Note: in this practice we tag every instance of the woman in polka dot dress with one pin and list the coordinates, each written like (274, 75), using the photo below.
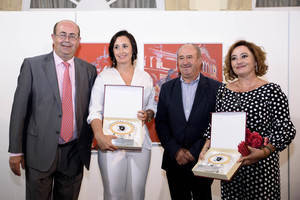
(267, 113)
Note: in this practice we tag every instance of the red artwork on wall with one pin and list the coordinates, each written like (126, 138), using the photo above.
(159, 62)
(95, 53)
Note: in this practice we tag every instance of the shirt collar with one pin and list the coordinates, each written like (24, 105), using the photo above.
(58, 60)
(196, 80)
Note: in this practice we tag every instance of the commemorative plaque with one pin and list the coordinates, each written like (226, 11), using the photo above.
(220, 161)
(121, 104)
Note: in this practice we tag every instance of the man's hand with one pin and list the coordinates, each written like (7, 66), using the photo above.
(15, 162)
(184, 156)
(104, 142)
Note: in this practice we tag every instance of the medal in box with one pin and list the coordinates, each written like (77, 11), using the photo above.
(121, 104)
(220, 161)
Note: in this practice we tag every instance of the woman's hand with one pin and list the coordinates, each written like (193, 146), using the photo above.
(145, 115)
(254, 156)
(142, 115)
(204, 149)
(105, 142)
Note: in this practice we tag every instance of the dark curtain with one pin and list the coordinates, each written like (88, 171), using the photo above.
(277, 3)
(51, 4)
(134, 4)
(68, 4)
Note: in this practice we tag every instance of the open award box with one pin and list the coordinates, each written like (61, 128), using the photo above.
(220, 161)
(121, 105)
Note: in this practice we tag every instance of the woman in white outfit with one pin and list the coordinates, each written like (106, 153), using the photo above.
(123, 172)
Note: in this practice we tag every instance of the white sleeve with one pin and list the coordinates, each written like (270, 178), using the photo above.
(96, 101)
(151, 104)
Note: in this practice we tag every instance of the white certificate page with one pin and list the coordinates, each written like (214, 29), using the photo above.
(121, 101)
(228, 129)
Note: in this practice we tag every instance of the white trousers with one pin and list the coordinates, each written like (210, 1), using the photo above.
(124, 173)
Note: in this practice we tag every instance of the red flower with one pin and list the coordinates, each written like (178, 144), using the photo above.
(248, 132)
(253, 139)
(243, 149)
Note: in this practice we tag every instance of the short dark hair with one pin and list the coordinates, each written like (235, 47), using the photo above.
(112, 43)
(56, 24)
(258, 54)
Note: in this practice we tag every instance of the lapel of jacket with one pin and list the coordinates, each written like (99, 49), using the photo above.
(78, 87)
(178, 99)
(200, 97)
(50, 71)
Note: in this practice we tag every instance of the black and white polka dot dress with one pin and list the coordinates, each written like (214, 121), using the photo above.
(268, 114)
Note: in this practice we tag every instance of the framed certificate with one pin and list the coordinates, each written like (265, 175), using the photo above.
(220, 161)
(121, 104)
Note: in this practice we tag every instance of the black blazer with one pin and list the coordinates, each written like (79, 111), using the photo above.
(36, 113)
(173, 130)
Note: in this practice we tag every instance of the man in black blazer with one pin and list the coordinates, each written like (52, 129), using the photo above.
(183, 114)
(53, 163)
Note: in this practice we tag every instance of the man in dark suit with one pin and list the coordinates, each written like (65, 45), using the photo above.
(183, 114)
(49, 135)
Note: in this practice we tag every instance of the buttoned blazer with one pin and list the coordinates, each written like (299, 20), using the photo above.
(37, 111)
(173, 130)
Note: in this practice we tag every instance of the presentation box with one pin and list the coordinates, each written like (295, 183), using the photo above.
(220, 161)
(121, 104)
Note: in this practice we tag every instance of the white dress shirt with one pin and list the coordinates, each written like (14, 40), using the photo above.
(113, 77)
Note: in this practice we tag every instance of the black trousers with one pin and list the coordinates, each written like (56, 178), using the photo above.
(62, 181)
(184, 185)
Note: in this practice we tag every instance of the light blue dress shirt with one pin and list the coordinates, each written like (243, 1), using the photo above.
(188, 95)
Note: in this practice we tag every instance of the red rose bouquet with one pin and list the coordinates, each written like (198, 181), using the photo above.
(253, 139)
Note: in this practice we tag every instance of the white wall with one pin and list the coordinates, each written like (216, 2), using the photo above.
(294, 98)
(26, 34)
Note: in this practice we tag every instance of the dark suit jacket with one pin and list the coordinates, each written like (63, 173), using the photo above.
(173, 130)
(36, 113)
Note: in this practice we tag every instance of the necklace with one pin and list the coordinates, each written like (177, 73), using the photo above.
(252, 86)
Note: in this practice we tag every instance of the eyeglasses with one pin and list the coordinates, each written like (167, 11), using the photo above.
(64, 36)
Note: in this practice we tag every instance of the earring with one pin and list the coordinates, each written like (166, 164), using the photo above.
(256, 67)
(114, 62)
